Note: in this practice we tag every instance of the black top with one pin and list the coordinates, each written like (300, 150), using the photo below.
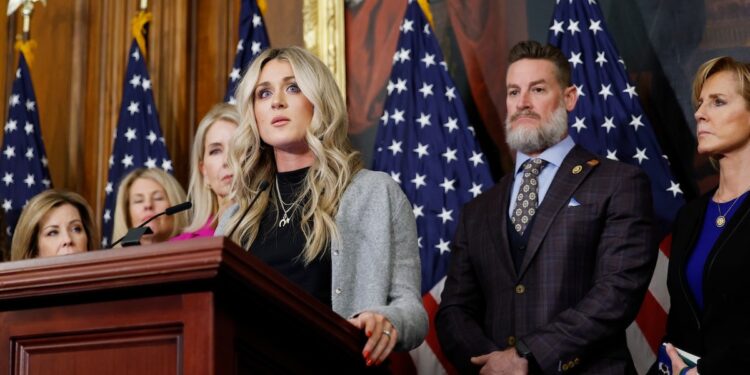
(281, 247)
(720, 333)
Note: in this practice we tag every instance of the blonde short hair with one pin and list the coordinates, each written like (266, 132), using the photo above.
(335, 160)
(716, 65)
(205, 201)
(173, 189)
(24, 245)
(723, 64)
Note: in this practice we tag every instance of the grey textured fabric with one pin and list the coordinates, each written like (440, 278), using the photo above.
(375, 263)
(527, 199)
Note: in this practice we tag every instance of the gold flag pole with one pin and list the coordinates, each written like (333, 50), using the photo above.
(23, 41)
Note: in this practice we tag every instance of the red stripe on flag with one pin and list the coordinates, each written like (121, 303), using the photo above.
(432, 340)
(652, 320)
(666, 245)
(401, 364)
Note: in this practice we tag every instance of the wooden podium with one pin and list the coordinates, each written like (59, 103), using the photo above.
(195, 307)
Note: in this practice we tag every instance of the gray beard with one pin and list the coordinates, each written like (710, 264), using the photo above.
(538, 139)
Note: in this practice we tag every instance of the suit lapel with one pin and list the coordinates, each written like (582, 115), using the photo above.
(496, 223)
(574, 169)
(681, 257)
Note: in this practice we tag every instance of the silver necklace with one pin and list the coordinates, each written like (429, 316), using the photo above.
(284, 219)
(721, 220)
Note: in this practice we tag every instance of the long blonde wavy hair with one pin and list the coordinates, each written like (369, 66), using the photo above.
(335, 161)
(205, 201)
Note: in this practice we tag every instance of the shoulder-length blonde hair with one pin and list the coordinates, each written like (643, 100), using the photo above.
(723, 64)
(175, 195)
(716, 65)
(205, 201)
(335, 161)
(25, 246)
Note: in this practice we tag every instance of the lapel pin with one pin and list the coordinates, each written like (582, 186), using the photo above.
(593, 162)
(577, 169)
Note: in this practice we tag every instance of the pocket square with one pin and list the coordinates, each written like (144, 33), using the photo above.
(573, 203)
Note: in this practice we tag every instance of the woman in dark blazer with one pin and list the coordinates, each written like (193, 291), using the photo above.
(710, 260)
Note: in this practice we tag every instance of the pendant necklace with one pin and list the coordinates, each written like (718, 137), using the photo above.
(284, 219)
(721, 220)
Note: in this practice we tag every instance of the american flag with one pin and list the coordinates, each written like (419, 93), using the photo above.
(23, 163)
(426, 144)
(253, 40)
(138, 138)
(608, 120)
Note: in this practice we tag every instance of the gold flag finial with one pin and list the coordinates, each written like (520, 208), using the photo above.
(425, 5)
(26, 47)
(262, 6)
(139, 28)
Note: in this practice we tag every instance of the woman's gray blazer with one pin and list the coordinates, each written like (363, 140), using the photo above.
(375, 264)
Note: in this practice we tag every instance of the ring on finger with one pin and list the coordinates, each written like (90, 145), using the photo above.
(387, 333)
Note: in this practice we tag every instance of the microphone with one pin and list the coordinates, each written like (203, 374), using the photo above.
(133, 237)
(262, 186)
(175, 209)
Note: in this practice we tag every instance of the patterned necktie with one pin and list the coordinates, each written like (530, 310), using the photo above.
(527, 199)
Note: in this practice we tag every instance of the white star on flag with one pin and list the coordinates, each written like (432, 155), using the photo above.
(133, 108)
(428, 60)
(418, 181)
(424, 119)
(445, 215)
(476, 158)
(421, 150)
(640, 155)
(135, 81)
(449, 155)
(475, 190)
(426, 89)
(451, 125)
(443, 246)
(417, 211)
(8, 178)
(29, 180)
(130, 134)
(447, 184)
(127, 161)
(395, 147)
(575, 59)
(557, 27)
(579, 124)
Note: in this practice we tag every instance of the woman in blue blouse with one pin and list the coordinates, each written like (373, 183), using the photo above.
(710, 259)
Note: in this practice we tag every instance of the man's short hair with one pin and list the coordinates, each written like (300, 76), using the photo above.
(534, 50)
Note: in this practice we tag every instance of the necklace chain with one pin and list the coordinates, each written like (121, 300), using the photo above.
(721, 220)
(284, 219)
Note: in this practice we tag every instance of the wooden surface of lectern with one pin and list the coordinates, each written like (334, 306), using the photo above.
(194, 307)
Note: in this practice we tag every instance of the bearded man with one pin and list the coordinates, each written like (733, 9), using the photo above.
(551, 265)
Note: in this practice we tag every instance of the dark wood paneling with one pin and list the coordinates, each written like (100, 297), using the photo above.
(284, 23)
(108, 351)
